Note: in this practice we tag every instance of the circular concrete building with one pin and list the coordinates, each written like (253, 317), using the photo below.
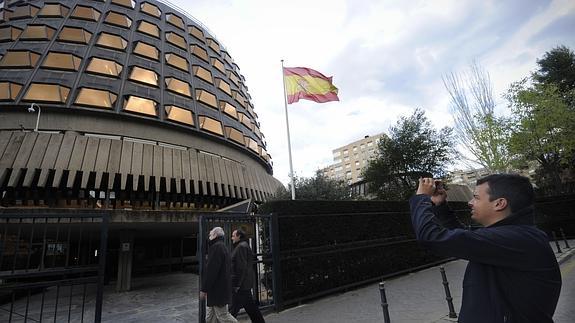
(123, 104)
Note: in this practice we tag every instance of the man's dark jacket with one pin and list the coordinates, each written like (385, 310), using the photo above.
(217, 276)
(512, 275)
(242, 266)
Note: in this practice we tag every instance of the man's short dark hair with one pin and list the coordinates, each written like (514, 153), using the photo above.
(516, 189)
(241, 234)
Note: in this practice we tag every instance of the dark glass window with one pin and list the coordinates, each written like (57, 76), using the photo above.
(19, 59)
(37, 32)
(9, 91)
(86, 13)
(53, 10)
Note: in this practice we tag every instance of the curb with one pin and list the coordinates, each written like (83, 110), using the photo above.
(566, 255)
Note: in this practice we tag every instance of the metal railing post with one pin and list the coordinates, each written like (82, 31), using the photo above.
(556, 242)
(384, 304)
(201, 257)
(564, 238)
(102, 253)
(448, 297)
(276, 262)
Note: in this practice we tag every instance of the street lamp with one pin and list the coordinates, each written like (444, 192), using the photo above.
(31, 109)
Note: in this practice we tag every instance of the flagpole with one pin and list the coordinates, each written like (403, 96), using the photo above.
(288, 137)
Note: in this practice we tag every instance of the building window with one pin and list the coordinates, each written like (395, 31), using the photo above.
(197, 33)
(19, 59)
(177, 61)
(111, 41)
(52, 93)
(218, 65)
(346, 152)
(206, 98)
(222, 85)
(370, 143)
(229, 109)
(104, 67)
(252, 144)
(9, 91)
(210, 125)
(235, 135)
(145, 76)
(62, 61)
(118, 19)
(202, 73)
(239, 98)
(178, 86)
(125, 3)
(140, 105)
(214, 45)
(147, 50)
(150, 9)
(347, 166)
(22, 12)
(245, 120)
(232, 76)
(9, 33)
(176, 40)
(38, 32)
(74, 35)
(149, 29)
(96, 98)
(180, 115)
(53, 10)
(200, 53)
(86, 13)
(176, 21)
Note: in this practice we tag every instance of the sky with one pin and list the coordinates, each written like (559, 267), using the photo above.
(386, 57)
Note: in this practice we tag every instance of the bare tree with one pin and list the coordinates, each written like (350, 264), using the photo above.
(477, 128)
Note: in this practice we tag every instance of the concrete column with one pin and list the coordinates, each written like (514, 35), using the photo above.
(125, 257)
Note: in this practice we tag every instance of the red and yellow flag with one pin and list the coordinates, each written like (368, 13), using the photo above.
(305, 83)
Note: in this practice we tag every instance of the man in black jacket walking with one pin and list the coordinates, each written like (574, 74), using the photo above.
(217, 282)
(243, 278)
(512, 275)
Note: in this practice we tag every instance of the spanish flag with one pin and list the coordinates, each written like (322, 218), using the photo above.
(305, 83)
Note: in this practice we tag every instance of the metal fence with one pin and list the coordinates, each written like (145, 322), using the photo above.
(52, 267)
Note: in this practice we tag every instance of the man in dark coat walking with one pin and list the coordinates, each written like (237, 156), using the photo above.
(217, 279)
(243, 278)
(512, 275)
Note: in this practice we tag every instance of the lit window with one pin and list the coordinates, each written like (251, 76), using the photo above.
(96, 98)
(181, 115)
(196, 32)
(178, 86)
(219, 65)
(252, 144)
(150, 9)
(111, 41)
(37, 32)
(19, 59)
(147, 50)
(125, 3)
(229, 109)
(149, 29)
(9, 33)
(206, 98)
(41, 92)
(175, 39)
(74, 35)
(53, 10)
(62, 61)
(104, 67)
(245, 120)
(26, 11)
(232, 76)
(211, 125)
(140, 105)
(86, 13)
(142, 75)
(235, 135)
(9, 91)
(214, 45)
(200, 53)
(222, 85)
(202, 73)
(177, 61)
(118, 19)
(175, 20)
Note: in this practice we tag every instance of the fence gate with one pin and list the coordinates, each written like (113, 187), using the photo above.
(262, 234)
(52, 267)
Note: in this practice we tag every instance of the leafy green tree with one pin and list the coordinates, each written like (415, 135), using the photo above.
(557, 67)
(478, 129)
(318, 187)
(412, 150)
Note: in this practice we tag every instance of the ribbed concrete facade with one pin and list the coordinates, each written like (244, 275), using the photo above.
(140, 107)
